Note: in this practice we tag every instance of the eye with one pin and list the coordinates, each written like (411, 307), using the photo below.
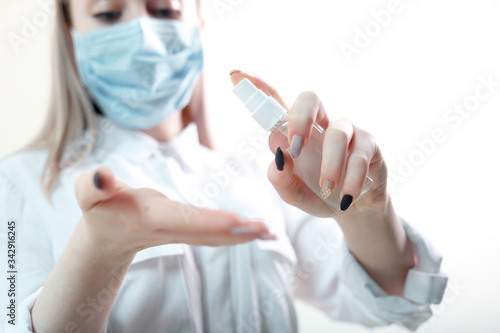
(167, 13)
(108, 16)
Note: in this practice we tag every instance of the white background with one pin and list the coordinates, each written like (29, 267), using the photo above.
(399, 87)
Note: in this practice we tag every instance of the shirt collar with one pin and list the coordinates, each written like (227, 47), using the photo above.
(137, 146)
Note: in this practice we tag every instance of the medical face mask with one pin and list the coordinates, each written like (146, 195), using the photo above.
(142, 71)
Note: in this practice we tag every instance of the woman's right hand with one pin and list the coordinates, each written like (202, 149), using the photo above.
(122, 220)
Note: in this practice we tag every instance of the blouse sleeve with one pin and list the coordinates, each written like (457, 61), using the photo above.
(329, 277)
(26, 259)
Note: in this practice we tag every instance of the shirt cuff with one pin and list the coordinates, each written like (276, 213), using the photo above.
(424, 284)
(23, 316)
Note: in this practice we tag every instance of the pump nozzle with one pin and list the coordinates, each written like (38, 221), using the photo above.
(265, 109)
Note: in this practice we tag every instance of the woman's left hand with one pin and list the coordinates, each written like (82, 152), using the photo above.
(343, 143)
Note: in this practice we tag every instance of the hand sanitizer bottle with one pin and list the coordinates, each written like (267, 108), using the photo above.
(307, 166)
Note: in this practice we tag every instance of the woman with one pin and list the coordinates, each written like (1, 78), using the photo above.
(128, 221)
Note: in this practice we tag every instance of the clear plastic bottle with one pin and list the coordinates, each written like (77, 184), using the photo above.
(307, 166)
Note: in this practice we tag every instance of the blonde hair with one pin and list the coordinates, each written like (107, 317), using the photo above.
(72, 112)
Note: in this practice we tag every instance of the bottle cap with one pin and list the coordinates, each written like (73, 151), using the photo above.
(265, 109)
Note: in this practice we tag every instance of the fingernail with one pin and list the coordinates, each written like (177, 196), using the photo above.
(234, 71)
(97, 180)
(296, 145)
(279, 159)
(346, 202)
(243, 230)
(265, 236)
(326, 189)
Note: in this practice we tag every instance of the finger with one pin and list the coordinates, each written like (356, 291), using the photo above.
(306, 110)
(220, 239)
(172, 217)
(322, 117)
(291, 188)
(237, 76)
(336, 142)
(95, 186)
(277, 139)
(361, 153)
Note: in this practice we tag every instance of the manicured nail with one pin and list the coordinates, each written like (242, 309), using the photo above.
(243, 230)
(296, 145)
(265, 236)
(97, 180)
(279, 159)
(234, 71)
(326, 189)
(346, 202)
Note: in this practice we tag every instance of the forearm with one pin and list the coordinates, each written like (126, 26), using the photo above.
(378, 241)
(81, 289)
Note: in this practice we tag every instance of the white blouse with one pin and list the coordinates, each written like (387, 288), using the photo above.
(182, 288)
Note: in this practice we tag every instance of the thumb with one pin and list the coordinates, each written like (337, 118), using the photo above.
(290, 187)
(280, 173)
(94, 186)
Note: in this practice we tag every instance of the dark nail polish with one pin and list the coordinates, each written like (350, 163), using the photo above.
(97, 180)
(346, 202)
(280, 161)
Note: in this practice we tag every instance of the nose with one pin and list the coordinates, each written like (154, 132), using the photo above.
(136, 9)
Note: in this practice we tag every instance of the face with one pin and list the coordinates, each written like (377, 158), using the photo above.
(88, 15)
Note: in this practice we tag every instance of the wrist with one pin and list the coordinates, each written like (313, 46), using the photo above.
(101, 250)
(377, 239)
